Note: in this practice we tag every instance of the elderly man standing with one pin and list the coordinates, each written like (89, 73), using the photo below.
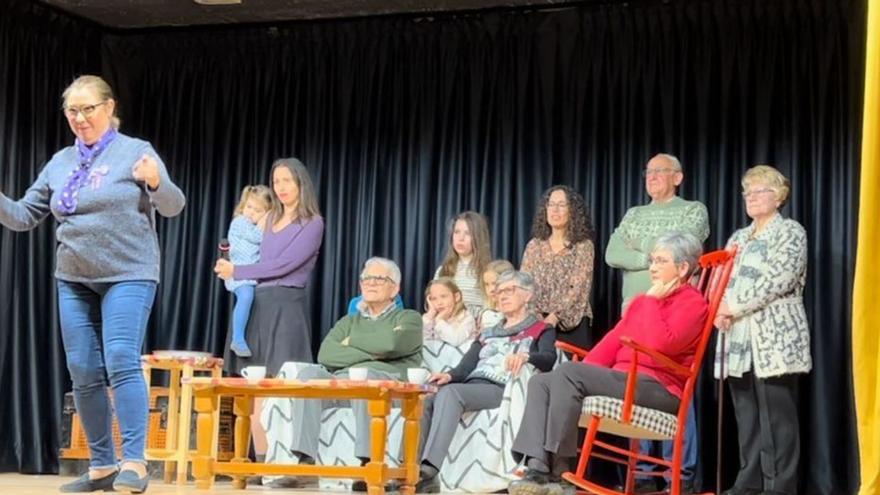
(380, 337)
(630, 245)
(629, 249)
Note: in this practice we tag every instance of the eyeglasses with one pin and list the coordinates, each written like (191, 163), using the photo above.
(660, 261)
(86, 110)
(507, 291)
(755, 192)
(374, 279)
(561, 205)
(657, 171)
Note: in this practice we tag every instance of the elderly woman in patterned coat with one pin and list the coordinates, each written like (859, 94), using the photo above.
(768, 339)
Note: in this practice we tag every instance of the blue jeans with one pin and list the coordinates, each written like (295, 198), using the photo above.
(244, 299)
(102, 326)
(688, 447)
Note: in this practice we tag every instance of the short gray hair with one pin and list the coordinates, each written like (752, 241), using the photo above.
(393, 269)
(685, 248)
(523, 279)
(672, 159)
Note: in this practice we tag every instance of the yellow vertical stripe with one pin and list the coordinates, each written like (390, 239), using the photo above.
(866, 319)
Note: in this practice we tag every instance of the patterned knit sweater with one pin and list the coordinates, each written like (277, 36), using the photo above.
(629, 247)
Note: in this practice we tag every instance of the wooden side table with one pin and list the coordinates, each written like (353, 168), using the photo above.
(182, 366)
(378, 393)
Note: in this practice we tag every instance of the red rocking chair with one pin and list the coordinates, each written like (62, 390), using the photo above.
(623, 418)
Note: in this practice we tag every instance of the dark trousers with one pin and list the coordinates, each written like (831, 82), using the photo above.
(443, 411)
(550, 421)
(769, 439)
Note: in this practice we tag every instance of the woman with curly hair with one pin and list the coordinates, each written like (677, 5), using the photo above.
(560, 257)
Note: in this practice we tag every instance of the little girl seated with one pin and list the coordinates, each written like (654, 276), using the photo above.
(447, 318)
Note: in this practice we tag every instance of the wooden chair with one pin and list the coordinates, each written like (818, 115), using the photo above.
(185, 365)
(624, 418)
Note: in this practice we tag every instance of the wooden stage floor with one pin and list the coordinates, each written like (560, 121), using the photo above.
(23, 484)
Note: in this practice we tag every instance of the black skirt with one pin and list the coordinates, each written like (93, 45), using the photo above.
(579, 335)
(278, 331)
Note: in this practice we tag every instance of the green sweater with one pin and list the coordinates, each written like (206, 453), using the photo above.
(390, 343)
(629, 247)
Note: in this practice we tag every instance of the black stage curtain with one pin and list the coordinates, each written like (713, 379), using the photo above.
(406, 120)
(40, 53)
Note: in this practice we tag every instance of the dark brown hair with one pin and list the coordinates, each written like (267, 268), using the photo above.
(580, 225)
(482, 251)
(307, 204)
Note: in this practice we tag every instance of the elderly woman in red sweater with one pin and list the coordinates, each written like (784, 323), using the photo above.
(668, 318)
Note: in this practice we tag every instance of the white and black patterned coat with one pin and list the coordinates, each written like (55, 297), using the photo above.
(765, 296)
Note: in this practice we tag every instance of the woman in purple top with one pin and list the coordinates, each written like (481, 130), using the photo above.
(279, 328)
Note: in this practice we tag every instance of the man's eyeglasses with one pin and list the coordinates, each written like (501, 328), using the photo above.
(657, 171)
(86, 110)
(374, 279)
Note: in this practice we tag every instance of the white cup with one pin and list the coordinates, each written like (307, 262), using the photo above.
(254, 372)
(359, 374)
(417, 375)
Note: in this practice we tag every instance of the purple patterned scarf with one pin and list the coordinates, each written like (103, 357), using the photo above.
(80, 177)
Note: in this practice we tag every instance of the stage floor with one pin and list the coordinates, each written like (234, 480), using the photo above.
(23, 484)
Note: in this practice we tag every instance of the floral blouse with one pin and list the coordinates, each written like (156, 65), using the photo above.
(564, 279)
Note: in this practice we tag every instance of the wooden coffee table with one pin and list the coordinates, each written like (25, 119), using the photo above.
(378, 393)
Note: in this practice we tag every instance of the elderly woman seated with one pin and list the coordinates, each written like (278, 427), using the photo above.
(668, 318)
(478, 381)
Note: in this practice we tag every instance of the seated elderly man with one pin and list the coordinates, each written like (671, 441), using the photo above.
(668, 318)
(380, 337)
(478, 381)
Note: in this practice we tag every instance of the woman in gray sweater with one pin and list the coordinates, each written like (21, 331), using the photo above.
(103, 191)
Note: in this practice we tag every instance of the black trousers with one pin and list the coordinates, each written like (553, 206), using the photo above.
(769, 436)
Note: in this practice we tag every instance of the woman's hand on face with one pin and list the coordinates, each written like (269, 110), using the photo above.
(551, 319)
(515, 362)
(661, 290)
(440, 378)
(147, 170)
(224, 269)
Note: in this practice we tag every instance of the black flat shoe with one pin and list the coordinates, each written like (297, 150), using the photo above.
(84, 485)
(128, 481)
(430, 484)
(361, 486)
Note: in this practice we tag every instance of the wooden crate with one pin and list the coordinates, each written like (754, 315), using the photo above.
(75, 446)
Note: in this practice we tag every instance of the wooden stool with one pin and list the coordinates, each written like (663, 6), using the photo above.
(181, 364)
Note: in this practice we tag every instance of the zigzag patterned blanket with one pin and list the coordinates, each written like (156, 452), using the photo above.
(479, 458)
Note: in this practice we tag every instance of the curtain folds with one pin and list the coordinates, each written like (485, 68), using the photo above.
(405, 121)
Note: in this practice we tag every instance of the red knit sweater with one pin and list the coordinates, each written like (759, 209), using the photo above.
(671, 325)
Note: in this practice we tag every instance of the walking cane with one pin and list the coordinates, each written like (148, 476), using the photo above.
(720, 414)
